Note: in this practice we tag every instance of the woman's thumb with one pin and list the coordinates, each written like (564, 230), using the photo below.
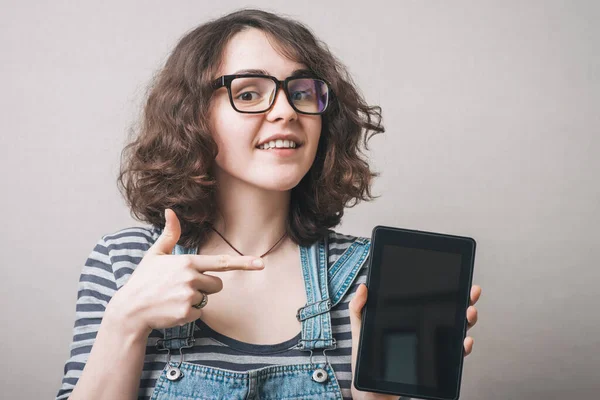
(358, 301)
(169, 236)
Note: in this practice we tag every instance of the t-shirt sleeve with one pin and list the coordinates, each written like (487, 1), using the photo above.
(96, 287)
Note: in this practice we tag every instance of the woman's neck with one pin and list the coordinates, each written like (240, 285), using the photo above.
(250, 218)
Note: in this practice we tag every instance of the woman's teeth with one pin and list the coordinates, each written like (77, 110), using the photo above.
(279, 144)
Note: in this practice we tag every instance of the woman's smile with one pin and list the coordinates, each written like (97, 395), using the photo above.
(280, 148)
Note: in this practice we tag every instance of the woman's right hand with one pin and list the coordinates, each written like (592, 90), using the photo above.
(163, 287)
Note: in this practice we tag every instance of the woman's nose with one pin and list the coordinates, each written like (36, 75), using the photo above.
(281, 108)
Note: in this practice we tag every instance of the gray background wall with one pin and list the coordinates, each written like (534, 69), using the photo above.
(491, 110)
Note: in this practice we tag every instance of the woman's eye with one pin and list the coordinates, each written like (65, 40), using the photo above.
(299, 95)
(248, 96)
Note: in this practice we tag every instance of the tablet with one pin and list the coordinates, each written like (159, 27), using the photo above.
(415, 319)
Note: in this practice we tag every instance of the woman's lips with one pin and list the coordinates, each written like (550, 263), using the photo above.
(281, 151)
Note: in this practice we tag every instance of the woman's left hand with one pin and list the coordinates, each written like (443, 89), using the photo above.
(356, 305)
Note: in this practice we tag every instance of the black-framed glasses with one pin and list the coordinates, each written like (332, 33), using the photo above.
(254, 93)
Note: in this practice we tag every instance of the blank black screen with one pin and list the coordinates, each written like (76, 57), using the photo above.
(414, 329)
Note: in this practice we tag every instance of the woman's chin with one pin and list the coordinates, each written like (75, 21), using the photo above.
(278, 184)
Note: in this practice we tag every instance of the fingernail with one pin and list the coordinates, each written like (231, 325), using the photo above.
(257, 263)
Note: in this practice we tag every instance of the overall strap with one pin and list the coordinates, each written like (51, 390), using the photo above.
(314, 316)
(178, 337)
(345, 270)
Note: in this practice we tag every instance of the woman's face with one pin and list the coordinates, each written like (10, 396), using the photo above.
(238, 135)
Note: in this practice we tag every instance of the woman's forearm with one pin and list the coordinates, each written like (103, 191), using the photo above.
(115, 363)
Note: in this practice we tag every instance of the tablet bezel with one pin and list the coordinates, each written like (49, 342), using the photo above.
(382, 235)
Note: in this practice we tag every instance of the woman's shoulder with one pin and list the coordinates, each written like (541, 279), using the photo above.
(348, 250)
(125, 248)
(131, 237)
(342, 238)
(338, 242)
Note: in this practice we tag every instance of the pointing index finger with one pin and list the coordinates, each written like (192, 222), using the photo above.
(224, 262)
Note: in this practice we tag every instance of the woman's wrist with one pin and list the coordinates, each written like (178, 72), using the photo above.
(119, 317)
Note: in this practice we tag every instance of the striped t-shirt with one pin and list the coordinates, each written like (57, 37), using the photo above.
(110, 265)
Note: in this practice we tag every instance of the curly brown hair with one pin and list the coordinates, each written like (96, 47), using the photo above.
(169, 162)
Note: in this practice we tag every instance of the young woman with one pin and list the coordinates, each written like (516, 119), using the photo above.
(249, 151)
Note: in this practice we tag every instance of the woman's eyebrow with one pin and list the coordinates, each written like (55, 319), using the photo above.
(251, 71)
(297, 72)
(301, 72)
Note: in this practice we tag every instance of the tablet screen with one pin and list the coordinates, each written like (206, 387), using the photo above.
(416, 312)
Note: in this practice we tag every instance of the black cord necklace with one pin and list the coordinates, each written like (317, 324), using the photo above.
(239, 252)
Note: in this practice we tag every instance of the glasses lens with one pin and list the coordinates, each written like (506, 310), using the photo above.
(309, 95)
(252, 94)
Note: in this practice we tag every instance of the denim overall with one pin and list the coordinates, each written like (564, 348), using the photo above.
(188, 381)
